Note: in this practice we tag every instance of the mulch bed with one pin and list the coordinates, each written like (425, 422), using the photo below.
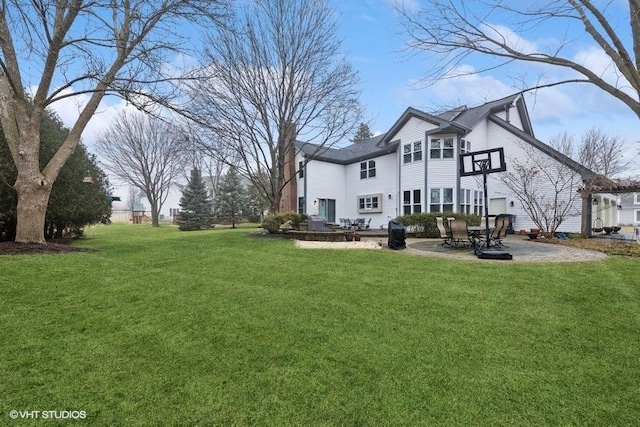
(54, 247)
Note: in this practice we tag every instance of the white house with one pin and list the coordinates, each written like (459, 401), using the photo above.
(414, 167)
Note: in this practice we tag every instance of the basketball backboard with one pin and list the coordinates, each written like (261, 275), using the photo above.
(480, 162)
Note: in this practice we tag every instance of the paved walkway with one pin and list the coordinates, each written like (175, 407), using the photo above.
(522, 249)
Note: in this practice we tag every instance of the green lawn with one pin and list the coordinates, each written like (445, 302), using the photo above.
(161, 327)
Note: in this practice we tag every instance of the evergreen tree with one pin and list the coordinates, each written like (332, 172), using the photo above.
(232, 199)
(195, 206)
(362, 133)
(73, 203)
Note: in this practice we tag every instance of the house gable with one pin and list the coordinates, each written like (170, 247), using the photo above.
(439, 125)
(584, 172)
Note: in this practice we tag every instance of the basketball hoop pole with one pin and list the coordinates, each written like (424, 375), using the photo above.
(484, 166)
(485, 162)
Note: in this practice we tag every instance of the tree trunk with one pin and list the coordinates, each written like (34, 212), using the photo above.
(33, 197)
(154, 213)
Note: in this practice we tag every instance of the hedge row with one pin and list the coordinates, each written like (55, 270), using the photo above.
(424, 224)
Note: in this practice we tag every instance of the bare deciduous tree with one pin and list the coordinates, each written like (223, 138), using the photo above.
(453, 30)
(275, 76)
(145, 153)
(602, 153)
(546, 189)
(87, 48)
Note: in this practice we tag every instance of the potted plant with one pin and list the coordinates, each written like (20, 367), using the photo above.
(349, 235)
(357, 237)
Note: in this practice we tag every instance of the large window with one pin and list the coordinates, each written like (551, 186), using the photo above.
(301, 205)
(367, 169)
(471, 202)
(441, 200)
(370, 203)
(411, 202)
(412, 152)
(441, 148)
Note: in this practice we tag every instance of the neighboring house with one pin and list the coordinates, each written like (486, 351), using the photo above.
(414, 167)
(629, 209)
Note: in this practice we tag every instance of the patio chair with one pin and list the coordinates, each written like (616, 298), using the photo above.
(445, 235)
(368, 224)
(459, 233)
(500, 231)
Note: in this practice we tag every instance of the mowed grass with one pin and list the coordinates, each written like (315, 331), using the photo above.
(161, 327)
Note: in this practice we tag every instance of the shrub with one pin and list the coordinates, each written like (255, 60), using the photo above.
(295, 218)
(272, 222)
(424, 224)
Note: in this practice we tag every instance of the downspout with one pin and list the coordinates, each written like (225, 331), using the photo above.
(425, 159)
(399, 151)
(304, 185)
(458, 179)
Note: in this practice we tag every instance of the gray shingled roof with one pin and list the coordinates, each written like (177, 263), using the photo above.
(470, 117)
(355, 152)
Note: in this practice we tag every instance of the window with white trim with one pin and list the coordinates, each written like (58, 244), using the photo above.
(367, 169)
(637, 216)
(411, 202)
(300, 169)
(174, 211)
(441, 148)
(465, 146)
(478, 203)
(370, 203)
(412, 152)
(636, 198)
(466, 202)
(441, 200)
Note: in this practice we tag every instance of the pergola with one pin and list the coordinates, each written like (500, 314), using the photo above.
(600, 184)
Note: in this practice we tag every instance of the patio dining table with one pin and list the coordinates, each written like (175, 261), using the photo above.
(478, 232)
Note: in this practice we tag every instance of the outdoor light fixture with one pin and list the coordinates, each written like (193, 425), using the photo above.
(511, 203)
(389, 196)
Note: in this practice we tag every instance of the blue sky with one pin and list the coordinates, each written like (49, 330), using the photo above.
(373, 42)
(391, 80)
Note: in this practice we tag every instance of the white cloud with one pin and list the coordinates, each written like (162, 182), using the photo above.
(462, 86)
(69, 108)
(406, 5)
(597, 61)
(505, 35)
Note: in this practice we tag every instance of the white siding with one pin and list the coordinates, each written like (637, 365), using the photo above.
(412, 174)
(514, 148)
(384, 184)
(324, 181)
(513, 117)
